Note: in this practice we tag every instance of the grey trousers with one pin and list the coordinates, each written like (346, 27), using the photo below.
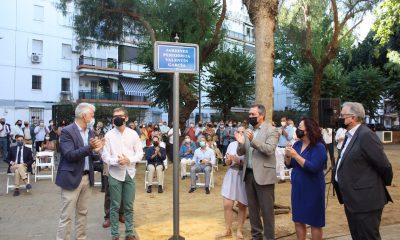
(203, 169)
(261, 205)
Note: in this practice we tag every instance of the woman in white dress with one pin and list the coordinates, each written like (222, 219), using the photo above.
(233, 189)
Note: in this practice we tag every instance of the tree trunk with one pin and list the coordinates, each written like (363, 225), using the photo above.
(263, 15)
(316, 92)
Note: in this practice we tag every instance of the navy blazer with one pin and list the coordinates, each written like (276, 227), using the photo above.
(72, 162)
(364, 173)
(27, 157)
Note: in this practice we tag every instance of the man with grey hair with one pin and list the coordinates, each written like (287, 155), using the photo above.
(259, 172)
(78, 148)
(361, 174)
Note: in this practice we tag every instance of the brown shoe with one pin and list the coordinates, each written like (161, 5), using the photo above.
(106, 223)
(130, 238)
(16, 192)
(115, 238)
(121, 218)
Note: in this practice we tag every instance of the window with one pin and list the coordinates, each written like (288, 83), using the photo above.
(66, 51)
(37, 46)
(65, 84)
(36, 114)
(36, 82)
(38, 13)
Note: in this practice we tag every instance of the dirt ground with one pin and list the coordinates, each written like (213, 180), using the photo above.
(201, 215)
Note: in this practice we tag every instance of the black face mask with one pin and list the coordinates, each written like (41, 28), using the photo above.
(19, 124)
(299, 133)
(233, 125)
(26, 125)
(155, 144)
(2, 122)
(156, 129)
(253, 121)
(341, 123)
(200, 125)
(118, 121)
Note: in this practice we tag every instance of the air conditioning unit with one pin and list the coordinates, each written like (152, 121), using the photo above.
(36, 58)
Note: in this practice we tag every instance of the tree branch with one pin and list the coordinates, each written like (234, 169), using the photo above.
(215, 40)
(307, 50)
(136, 17)
(349, 31)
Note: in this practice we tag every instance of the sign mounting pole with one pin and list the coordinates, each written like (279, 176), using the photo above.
(175, 57)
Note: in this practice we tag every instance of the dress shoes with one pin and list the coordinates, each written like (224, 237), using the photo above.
(131, 238)
(106, 223)
(16, 192)
(160, 190)
(121, 218)
(149, 189)
(28, 186)
(115, 238)
(207, 190)
(192, 190)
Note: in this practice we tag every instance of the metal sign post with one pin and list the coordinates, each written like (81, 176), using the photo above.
(174, 57)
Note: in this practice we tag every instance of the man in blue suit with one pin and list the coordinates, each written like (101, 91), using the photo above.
(75, 173)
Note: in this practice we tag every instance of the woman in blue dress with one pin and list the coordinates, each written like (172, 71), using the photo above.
(307, 158)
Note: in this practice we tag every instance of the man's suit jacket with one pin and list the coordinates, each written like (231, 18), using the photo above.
(72, 162)
(263, 160)
(27, 157)
(363, 173)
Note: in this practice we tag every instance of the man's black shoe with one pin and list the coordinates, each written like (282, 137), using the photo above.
(160, 190)
(16, 193)
(207, 190)
(192, 190)
(28, 186)
(183, 177)
(149, 189)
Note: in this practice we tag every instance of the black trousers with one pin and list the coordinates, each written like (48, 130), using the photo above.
(364, 226)
(261, 205)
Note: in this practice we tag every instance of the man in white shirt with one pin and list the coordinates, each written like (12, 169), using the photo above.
(171, 142)
(122, 150)
(339, 138)
(4, 131)
(327, 136)
(16, 130)
(204, 159)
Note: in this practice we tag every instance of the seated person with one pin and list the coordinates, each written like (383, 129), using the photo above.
(204, 159)
(20, 162)
(155, 156)
(48, 146)
(186, 155)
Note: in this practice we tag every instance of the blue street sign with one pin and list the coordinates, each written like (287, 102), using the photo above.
(176, 57)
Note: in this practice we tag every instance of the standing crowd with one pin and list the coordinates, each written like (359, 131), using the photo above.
(258, 155)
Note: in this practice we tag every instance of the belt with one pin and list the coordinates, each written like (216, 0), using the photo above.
(281, 146)
(85, 173)
(236, 167)
(249, 170)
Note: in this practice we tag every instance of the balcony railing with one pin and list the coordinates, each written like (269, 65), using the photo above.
(110, 63)
(241, 37)
(115, 96)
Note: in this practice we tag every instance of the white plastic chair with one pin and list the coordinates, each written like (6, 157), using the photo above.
(41, 164)
(11, 184)
(148, 182)
(203, 183)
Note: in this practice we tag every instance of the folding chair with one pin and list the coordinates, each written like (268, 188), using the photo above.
(148, 182)
(40, 164)
(11, 184)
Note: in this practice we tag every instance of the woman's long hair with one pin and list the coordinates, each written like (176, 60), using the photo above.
(313, 131)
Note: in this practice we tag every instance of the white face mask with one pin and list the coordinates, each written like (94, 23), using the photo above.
(187, 140)
(230, 124)
(283, 124)
(191, 125)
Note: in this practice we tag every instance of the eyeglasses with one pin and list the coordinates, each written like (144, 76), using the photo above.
(348, 115)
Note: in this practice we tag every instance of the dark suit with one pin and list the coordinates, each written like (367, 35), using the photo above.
(72, 162)
(27, 157)
(74, 182)
(362, 175)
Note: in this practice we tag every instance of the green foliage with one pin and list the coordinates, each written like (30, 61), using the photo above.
(393, 86)
(230, 82)
(366, 85)
(333, 86)
(387, 20)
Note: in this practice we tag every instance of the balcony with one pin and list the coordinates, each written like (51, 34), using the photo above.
(109, 66)
(240, 37)
(112, 98)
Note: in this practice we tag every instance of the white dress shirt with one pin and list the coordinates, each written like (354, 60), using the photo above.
(116, 144)
(340, 134)
(349, 135)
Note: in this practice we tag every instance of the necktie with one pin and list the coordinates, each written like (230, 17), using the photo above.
(19, 156)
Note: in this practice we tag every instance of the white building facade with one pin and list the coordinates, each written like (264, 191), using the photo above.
(40, 66)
